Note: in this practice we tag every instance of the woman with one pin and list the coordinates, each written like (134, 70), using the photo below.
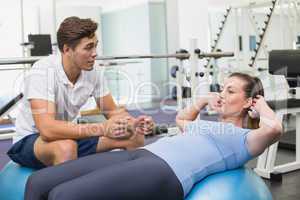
(168, 168)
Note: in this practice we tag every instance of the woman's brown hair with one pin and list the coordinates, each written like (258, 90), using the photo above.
(252, 88)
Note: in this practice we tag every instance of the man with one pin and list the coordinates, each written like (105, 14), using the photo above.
(55, 89)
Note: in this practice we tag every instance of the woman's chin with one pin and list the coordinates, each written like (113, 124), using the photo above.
(219, 111)
(222, 109)
(223, 112)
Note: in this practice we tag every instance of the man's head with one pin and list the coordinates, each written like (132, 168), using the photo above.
(77, 41)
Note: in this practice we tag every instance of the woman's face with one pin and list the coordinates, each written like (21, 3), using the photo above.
(233, 98)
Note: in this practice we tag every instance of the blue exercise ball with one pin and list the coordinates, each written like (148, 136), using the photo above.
(241, 183)
(13, 178)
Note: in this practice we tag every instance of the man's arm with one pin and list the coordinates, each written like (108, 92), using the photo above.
(109, 108)
(51, 129)
(141, 125)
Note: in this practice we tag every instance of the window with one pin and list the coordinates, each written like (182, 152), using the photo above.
(252, 42)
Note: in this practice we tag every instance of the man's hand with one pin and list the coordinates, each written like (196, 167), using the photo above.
(143, 125)
(118, 127)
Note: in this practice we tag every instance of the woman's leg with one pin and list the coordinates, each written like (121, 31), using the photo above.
(145, 177)
(42, 181)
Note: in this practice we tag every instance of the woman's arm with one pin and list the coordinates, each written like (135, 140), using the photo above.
(190, 113)
(269, 131)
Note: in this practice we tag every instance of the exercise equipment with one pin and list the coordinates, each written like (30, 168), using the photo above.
(262, 36)
(181, 75)
(219, 35)
(106, 64)
(8, 130)
(9, 105)
(240, 183)
(41, 44)
(283, 64)
(180, 56)
(12, 180)
(174, 70)
(186, 92)
(15, 61)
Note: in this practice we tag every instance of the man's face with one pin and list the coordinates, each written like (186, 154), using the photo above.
(83, 56)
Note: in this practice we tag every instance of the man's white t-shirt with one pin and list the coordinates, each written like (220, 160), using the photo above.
(47, 80)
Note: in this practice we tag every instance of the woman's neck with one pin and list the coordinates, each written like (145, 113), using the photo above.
(236, 120)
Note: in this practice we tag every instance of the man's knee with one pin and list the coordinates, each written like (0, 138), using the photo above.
(64, 150)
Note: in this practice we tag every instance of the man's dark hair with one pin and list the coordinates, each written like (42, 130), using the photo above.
(73, 29)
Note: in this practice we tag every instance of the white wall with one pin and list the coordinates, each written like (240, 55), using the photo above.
(48, 18)
(10, 32)
(127, 31)
(39, 18)
(31, 17)
(193, 23)
(10, 28)
(187, 19)
(172, 26)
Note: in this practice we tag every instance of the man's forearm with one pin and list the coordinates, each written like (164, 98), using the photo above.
(59, 130)
(121, 111)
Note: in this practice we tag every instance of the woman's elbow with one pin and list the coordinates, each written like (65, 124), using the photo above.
(177, 120)
(277, 131)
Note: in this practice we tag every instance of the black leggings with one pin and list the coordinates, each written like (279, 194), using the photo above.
(118, 175)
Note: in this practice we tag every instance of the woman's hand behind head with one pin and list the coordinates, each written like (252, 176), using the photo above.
(259, 104)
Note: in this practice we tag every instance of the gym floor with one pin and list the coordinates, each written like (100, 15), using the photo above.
(288, 189)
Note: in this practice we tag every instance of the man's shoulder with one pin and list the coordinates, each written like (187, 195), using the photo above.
(50, 61)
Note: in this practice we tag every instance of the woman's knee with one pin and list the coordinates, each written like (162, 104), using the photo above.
(34, 188)
(55, 194)
(63, 191)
